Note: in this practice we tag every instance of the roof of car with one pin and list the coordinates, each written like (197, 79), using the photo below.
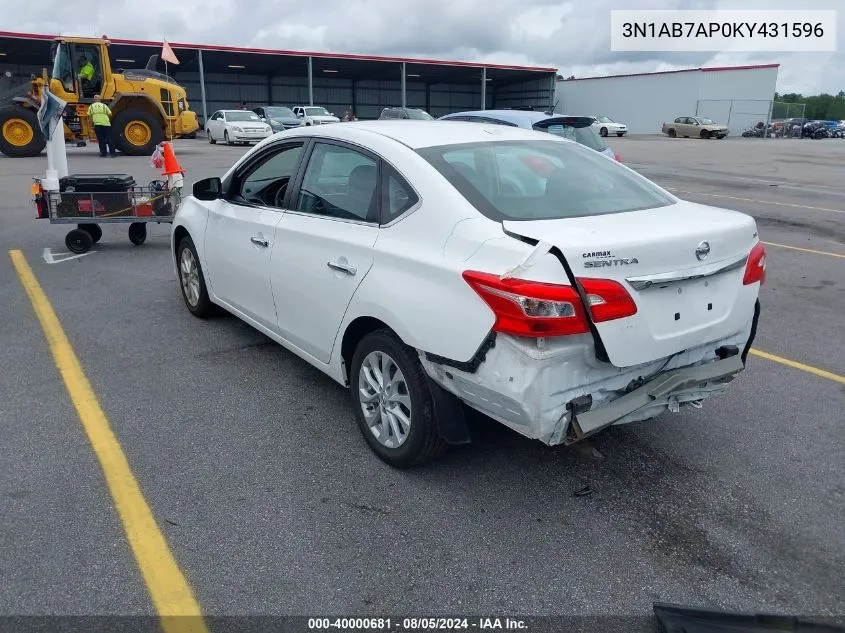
(418, 134)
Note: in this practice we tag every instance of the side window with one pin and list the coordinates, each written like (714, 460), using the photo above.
(340, 183)
(268, 182)
(396, 195)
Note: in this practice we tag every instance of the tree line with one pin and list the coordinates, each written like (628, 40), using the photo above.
(823, 107)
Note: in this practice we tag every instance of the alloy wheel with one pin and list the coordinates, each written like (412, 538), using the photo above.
(385, 399)
(189, 275)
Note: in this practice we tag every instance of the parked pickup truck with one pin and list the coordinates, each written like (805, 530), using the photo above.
(699, 126)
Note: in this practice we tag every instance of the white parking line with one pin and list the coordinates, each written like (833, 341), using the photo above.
(51, 257)
(780, 204)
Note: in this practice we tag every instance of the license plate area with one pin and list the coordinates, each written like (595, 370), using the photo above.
(679, 307)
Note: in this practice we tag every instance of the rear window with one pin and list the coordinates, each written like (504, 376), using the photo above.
(541, 180)
(578, 129)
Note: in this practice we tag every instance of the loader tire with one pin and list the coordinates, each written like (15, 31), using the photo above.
(137, 133)
(20, 134)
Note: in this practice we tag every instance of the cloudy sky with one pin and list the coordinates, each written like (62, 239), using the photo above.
(573, 36)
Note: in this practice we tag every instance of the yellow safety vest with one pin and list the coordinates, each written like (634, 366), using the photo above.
(87, 72)
(100, 113)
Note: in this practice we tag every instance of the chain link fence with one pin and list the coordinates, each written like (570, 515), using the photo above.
(738, 114)
(788, 119)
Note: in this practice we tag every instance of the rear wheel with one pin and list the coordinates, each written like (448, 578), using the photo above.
(93, 230)
(20, 134)
(137, 133)
(138, 233)
(392, 401)
(211, 139)
(705, 134)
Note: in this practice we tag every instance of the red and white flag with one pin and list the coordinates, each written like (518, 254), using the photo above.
(167, 54)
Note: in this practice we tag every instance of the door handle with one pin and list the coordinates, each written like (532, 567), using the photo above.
(259, 240)
(346, 268)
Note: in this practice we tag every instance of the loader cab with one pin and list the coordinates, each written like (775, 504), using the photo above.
(69, 58)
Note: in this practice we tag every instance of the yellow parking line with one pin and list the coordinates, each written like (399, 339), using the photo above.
(805, 250)
(780, 204)
(171, 595)
(796, 365)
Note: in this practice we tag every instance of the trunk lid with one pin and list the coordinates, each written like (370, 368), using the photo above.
(684, 295)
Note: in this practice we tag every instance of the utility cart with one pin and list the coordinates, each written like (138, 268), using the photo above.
(89, 200)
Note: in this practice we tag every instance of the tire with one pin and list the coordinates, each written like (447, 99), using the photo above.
(94, 230)
(705, 134)
(211, 140)
(603, 131)
(720, 137)
(194, 291)
(138, 233)
(226, 138)
(421, 441)
(79, 241)
(672, 133)
(20, 134)
(620, 134)
(137, 133)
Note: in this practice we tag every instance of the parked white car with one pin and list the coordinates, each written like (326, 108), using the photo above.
(432, 263)
(605, 126)
(236, 126)
(315, 115)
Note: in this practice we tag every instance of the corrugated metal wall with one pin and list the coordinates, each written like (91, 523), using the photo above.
(644, 102)
(534, 93)
(641, 102)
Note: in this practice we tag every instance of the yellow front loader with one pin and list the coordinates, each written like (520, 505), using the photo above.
(148, 107)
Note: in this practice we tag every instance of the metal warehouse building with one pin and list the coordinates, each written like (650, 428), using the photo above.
(739, 96)
(218, 77)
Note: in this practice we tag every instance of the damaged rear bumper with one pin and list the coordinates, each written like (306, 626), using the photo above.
(557, 392)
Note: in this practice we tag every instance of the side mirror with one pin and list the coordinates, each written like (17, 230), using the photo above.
(208, 189)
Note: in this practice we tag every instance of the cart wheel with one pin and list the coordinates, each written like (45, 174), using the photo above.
(138, 233)
(93, 230)
(79, 241)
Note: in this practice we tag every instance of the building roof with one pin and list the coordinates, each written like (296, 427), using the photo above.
(270, 51)
(683, 70)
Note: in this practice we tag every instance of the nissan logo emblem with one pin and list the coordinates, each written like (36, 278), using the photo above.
(702, 250)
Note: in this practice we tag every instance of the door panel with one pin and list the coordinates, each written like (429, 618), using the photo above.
(324, 245)
(238, 243)
(317, 265)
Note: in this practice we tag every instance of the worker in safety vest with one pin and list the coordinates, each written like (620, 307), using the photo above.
(101, 116)
(86, 76)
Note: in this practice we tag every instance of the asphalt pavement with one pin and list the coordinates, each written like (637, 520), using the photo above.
(272, 503)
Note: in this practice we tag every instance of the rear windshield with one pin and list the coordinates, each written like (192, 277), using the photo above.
(541, 180)
(578, 129)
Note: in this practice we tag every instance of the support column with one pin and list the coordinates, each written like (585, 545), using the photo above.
(404, 94)
(428, 97)
(310, 82)
(202, 90)
(354, 97)
(484, 88)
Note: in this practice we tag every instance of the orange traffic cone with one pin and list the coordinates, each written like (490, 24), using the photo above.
(171, 165)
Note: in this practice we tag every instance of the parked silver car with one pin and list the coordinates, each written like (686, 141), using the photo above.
(576, 128)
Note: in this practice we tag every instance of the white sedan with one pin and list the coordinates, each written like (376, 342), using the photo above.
(430, 264)
(605, 126)
(236, 126)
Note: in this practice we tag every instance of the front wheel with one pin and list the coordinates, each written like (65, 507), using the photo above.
(226, 138)
(620, 134)
(78, 241)
(192, 280)
(211, 140)
(392, 401)
(137, 133)
(705, 134)
(672, 133)
(138, 233)
(603, 131)
(20, 132)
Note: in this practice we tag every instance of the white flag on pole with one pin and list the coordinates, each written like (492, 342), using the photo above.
(167, 54)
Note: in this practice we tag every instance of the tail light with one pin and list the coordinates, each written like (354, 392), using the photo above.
(617, 157)
(531, 308)
(755, 268)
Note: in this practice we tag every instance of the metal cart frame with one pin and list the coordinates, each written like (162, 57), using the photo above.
(137, 206)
